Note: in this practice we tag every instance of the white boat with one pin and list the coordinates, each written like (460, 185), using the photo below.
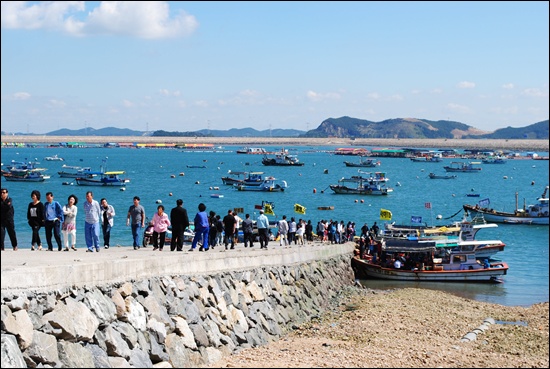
(252, 150)
(430, 158)
(104, 179)
(282, 159)
(234, 177)
(69, 171)
(24, 175)
(53, 158)
(537, 214)
(363, 163)
(494, 160)
(269, 184)
(374, 184)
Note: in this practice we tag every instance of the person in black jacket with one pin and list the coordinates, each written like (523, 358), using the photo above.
(180, 222)
(7, 223)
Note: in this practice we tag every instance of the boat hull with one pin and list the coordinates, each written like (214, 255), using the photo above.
(364, 268)
(369, 165)
(273, 163)
(100, 182)
(508, 218)
(344, 190)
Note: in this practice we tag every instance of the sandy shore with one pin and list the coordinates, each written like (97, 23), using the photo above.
(407, 328)
(514, 145)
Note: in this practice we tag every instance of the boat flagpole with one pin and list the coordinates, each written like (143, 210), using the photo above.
(428, 205)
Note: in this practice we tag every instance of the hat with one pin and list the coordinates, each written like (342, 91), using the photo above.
(261, 211)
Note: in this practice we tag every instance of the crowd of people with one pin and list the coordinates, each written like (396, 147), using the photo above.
(210, 229)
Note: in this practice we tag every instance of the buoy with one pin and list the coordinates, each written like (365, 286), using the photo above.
(505, 177)
(356, 200)
(182, 174)
(170, 194)
(172, 176)
(439, 216)
(532, 183)
(197, 182)
(158, 201)
(362, 201)
(325, 171)
(210, 188)
(123, 188)
(314, 190)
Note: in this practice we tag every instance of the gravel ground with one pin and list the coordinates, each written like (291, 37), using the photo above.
(409, 328)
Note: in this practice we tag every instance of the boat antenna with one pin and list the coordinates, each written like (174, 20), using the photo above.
(544, 193)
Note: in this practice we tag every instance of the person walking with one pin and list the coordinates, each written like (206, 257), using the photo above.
(180, 222)
(92, 212)
(308, 232)
(292, 226)
(300, 233)
(201, 229)
(282, 228)
(213, 233)
(136, 217)
(219, 229)
(248, 231)
(35, 219)
(263, 225)
(160, 226)
(7, 222)
(107, 222)
(229, 226)
(68, 228)
(53, 215)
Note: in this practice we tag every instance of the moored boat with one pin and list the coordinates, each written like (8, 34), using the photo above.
(537, 214)
(53, 158)
(375, 184)
(462, 167)
(363, 163)
(252, 150)
(24, 175)
(70, 171)
(269, 184)
(234, 177)
(436, 176)
(282, 159)
(111, 178)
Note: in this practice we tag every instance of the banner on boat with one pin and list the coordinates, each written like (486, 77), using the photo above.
(268, 207)
(385, 214)
(484, 202)
(299, 209)
(415, 219)
(428, 205)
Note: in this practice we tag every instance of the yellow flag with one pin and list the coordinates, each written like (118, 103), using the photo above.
(385, 214)
(268, 210)
(299, 209)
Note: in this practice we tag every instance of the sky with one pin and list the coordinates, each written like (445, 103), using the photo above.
(192, 65)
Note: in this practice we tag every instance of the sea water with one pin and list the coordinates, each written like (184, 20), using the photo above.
(160, 176)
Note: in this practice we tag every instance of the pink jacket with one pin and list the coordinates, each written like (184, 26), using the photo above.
(160, 223)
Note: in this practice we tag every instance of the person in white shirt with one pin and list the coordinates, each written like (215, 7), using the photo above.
(282, 227)
(300, 234)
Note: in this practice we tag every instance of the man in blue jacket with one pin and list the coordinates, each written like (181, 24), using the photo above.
(53, 214)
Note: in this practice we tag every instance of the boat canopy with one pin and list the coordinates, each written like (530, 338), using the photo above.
(408, 246)
(115, 172)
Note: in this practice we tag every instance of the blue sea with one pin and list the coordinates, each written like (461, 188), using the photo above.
(155, 176)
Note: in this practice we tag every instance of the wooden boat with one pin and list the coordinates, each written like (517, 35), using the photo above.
(537, 214)
(282, 159)
(494, 160)
(70, 171)
(363, 163)
(435, 176)
(269, 184)
(375, 184)
(104, 179)
(459, 166)
(458, 266)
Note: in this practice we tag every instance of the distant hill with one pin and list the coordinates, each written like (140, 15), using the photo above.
(343, 127)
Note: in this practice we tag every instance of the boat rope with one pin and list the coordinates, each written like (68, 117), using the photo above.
(452, 216)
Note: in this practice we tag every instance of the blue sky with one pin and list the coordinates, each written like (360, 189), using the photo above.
(185, 66)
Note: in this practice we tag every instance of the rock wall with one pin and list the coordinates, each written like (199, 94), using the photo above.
(169, 321)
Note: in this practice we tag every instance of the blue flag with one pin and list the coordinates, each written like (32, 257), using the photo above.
(484, 202)
(415, 219)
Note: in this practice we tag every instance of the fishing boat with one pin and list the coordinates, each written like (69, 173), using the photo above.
(458, 235)
(427, 264)
(234, 177)
(269, 184)
(532, 214)
(375, 184)
(282, 160)
(462, 167)
(431, 158)
(436, 176)
(24, 175)
(23, 165)
(104, 179)
(53, 158)
(71, 171)
(494, 160)
(363, 162)
(252, 150)
(197, 166)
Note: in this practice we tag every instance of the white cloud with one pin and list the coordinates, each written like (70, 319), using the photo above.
(21, 95)
(436, 91)
(466, 84)
(201, 103)
(534, 92)
(457, 108)
(316, 96)
(141, 19)
(166, 92)
(56, 103)
(374, 95)
(127, 103)
(508, 86)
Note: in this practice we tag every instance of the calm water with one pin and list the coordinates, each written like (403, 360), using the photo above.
(150, 172)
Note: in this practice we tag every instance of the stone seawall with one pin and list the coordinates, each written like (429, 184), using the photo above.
(171, 320)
